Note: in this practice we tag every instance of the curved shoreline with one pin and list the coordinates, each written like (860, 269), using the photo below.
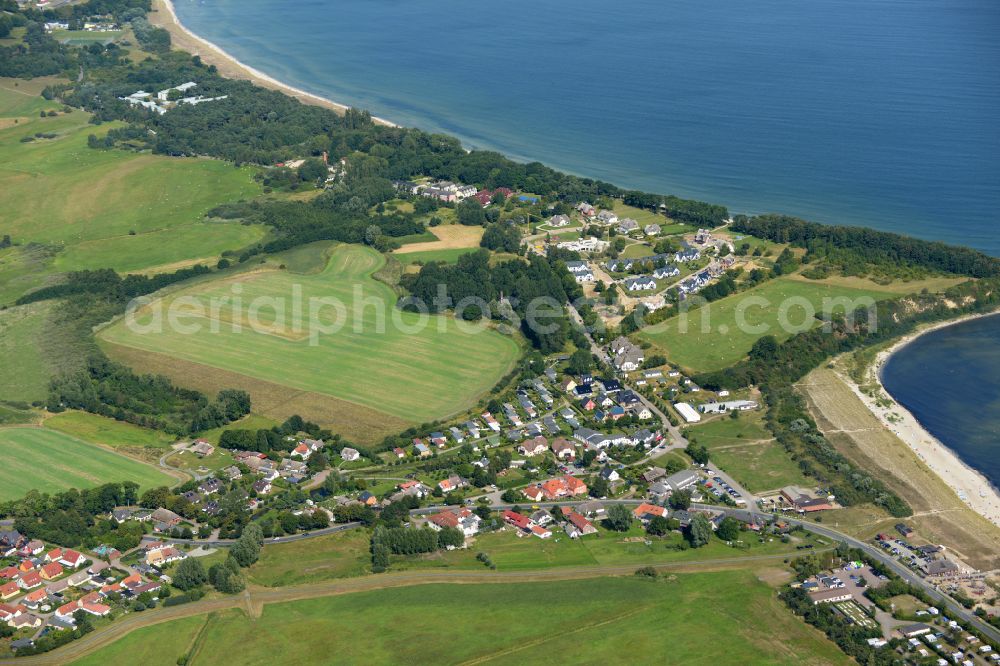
(164, 16)
(969, 484)
(958, 475)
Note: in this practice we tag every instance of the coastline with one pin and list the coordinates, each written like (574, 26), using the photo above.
(966, 482)
(164, 16)
(970, 485)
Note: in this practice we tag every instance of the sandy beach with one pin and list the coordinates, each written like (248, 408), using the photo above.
(164, 16)
(971, 486)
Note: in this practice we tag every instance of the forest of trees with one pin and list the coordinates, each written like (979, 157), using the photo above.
(868, 245)
(113, 390)
(473, 280)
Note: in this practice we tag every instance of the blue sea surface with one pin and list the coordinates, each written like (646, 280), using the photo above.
(882, 113)
(950, 380)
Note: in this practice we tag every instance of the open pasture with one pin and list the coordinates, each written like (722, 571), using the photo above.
(49, 461)
(400, 364)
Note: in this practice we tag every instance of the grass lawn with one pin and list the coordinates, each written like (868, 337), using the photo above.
(433, 370)
(108, 208)
(726, 430)
(759, 467)
(695, 618)
(636, 251)
(50, 461)
(710, 338)
(26, 371)
(106, 431)
(336, 555)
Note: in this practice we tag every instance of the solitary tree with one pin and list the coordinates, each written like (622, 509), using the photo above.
(190, 574)
(699, 531)
(619, 518)
(729, 529)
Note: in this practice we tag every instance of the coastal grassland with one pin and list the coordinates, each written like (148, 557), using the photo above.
(50, 461)
(939, 515)
(744, 448)
(624, 620)
(26, 371)
(108, 208)
(759, 466)
(415, 375)
(108, 432)
(337, 555)
(644, 217)
(713, 339)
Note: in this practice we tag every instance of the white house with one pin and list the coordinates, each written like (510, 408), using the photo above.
(559, 221)
(642, 283)
(349, 455)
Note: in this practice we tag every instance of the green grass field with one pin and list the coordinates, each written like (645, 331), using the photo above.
(760, 467)
(102, 430)
(159, 645)
(430, 372)
(713, 339)
(336, 555)
(726, 431)
(50, 461)
(26, 371)
(695, 619)
(449, 256)
(636, 251)
(108, 208)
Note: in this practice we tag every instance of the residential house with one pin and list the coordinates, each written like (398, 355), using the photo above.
(9, 589)
(50, 571)
(627, 226)
(609, 474)
(592, 509)
(348, 454)
(421, 449)
(210, 486)
(563, 449)
(533, 447)
(201, 448)
(581, 526)
(659, 491)
(567, 385)
(29, 580)
(653, 473)
(438, 439)
(607, 218)
(667, 271)
(540, 532)
(453, 482)
(517, 520)
(461, 519)
(164, 519)
(456, 434)
(302, 450)
(586, 209)
(491, 422)
(646, 512)
(262, 487)
(559, 221)
(651, 230)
